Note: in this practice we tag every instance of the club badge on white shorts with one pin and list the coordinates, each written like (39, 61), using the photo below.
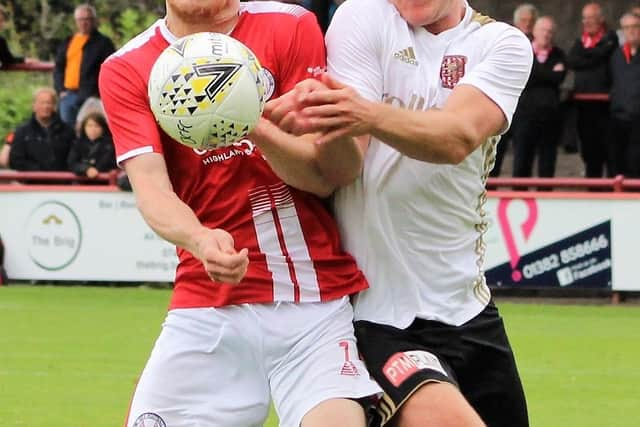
(149, 419)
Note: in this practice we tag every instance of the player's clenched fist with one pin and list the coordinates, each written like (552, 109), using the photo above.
(215, 249)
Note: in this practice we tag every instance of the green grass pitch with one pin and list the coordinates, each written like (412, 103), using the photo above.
(70, 356)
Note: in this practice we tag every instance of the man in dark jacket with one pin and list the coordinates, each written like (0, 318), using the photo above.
(42, 143)
(537, 122)
(78, 61)
(589, 58)
(624, 136)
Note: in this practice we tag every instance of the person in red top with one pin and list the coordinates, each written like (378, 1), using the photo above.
(260, 307)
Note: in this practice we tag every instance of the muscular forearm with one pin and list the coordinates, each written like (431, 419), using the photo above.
(168, 216)
(160, 207)
(341, 161)
(434, 136)
(174, 221)
(294, 159)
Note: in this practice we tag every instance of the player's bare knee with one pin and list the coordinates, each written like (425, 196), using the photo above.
(437, 404)
(335, 413)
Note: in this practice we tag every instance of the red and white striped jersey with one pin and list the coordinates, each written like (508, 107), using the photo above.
(294, 249)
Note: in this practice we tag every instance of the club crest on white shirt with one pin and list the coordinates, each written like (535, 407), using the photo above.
(452, 69)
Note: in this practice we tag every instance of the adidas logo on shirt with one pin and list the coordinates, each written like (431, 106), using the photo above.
(406, 55)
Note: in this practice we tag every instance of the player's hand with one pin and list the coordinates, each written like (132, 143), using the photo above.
(336, 112)
(284, 111)
(215, 249)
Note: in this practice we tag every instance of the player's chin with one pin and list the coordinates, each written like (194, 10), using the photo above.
(197, 15)
(198, 11)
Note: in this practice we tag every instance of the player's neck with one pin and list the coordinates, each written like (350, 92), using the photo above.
(450, 20)
(181, 28)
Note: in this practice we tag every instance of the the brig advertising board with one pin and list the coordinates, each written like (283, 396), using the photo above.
(83, 236)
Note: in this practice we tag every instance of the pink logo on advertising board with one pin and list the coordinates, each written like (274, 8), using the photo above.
(452, 70)
(506, 227)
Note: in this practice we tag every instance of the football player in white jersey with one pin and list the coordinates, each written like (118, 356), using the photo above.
(427, 86)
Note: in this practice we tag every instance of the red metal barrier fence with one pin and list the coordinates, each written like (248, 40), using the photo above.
(30, 66)
(17, 178)
(616, 184)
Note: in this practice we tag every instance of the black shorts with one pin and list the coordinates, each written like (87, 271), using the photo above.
(476, 357)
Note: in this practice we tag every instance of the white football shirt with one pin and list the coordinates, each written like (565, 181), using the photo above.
(416, 228)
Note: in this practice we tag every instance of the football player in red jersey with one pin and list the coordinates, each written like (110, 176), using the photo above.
(260, 310)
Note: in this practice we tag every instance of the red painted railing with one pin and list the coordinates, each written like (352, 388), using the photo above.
(617, 184)
(30, 66)
(600, 97)
(9, 176)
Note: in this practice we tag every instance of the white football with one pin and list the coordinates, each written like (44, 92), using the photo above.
(207, 90)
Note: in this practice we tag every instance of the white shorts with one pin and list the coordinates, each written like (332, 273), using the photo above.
(215, 367)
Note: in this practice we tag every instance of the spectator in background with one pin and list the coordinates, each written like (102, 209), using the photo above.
(524, 16)
(633, 9)
(78, 61)
(589, 58)
(91, 105)
(537, 123)
(624, 135)
(93, 151)
(6, 57)
(6, 150)
(42, 143)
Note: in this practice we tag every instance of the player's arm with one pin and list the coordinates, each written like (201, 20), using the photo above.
(317, 168)
(134, 130)
(174, 221)
(297, 160)
(446, 135)
(303, 164)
